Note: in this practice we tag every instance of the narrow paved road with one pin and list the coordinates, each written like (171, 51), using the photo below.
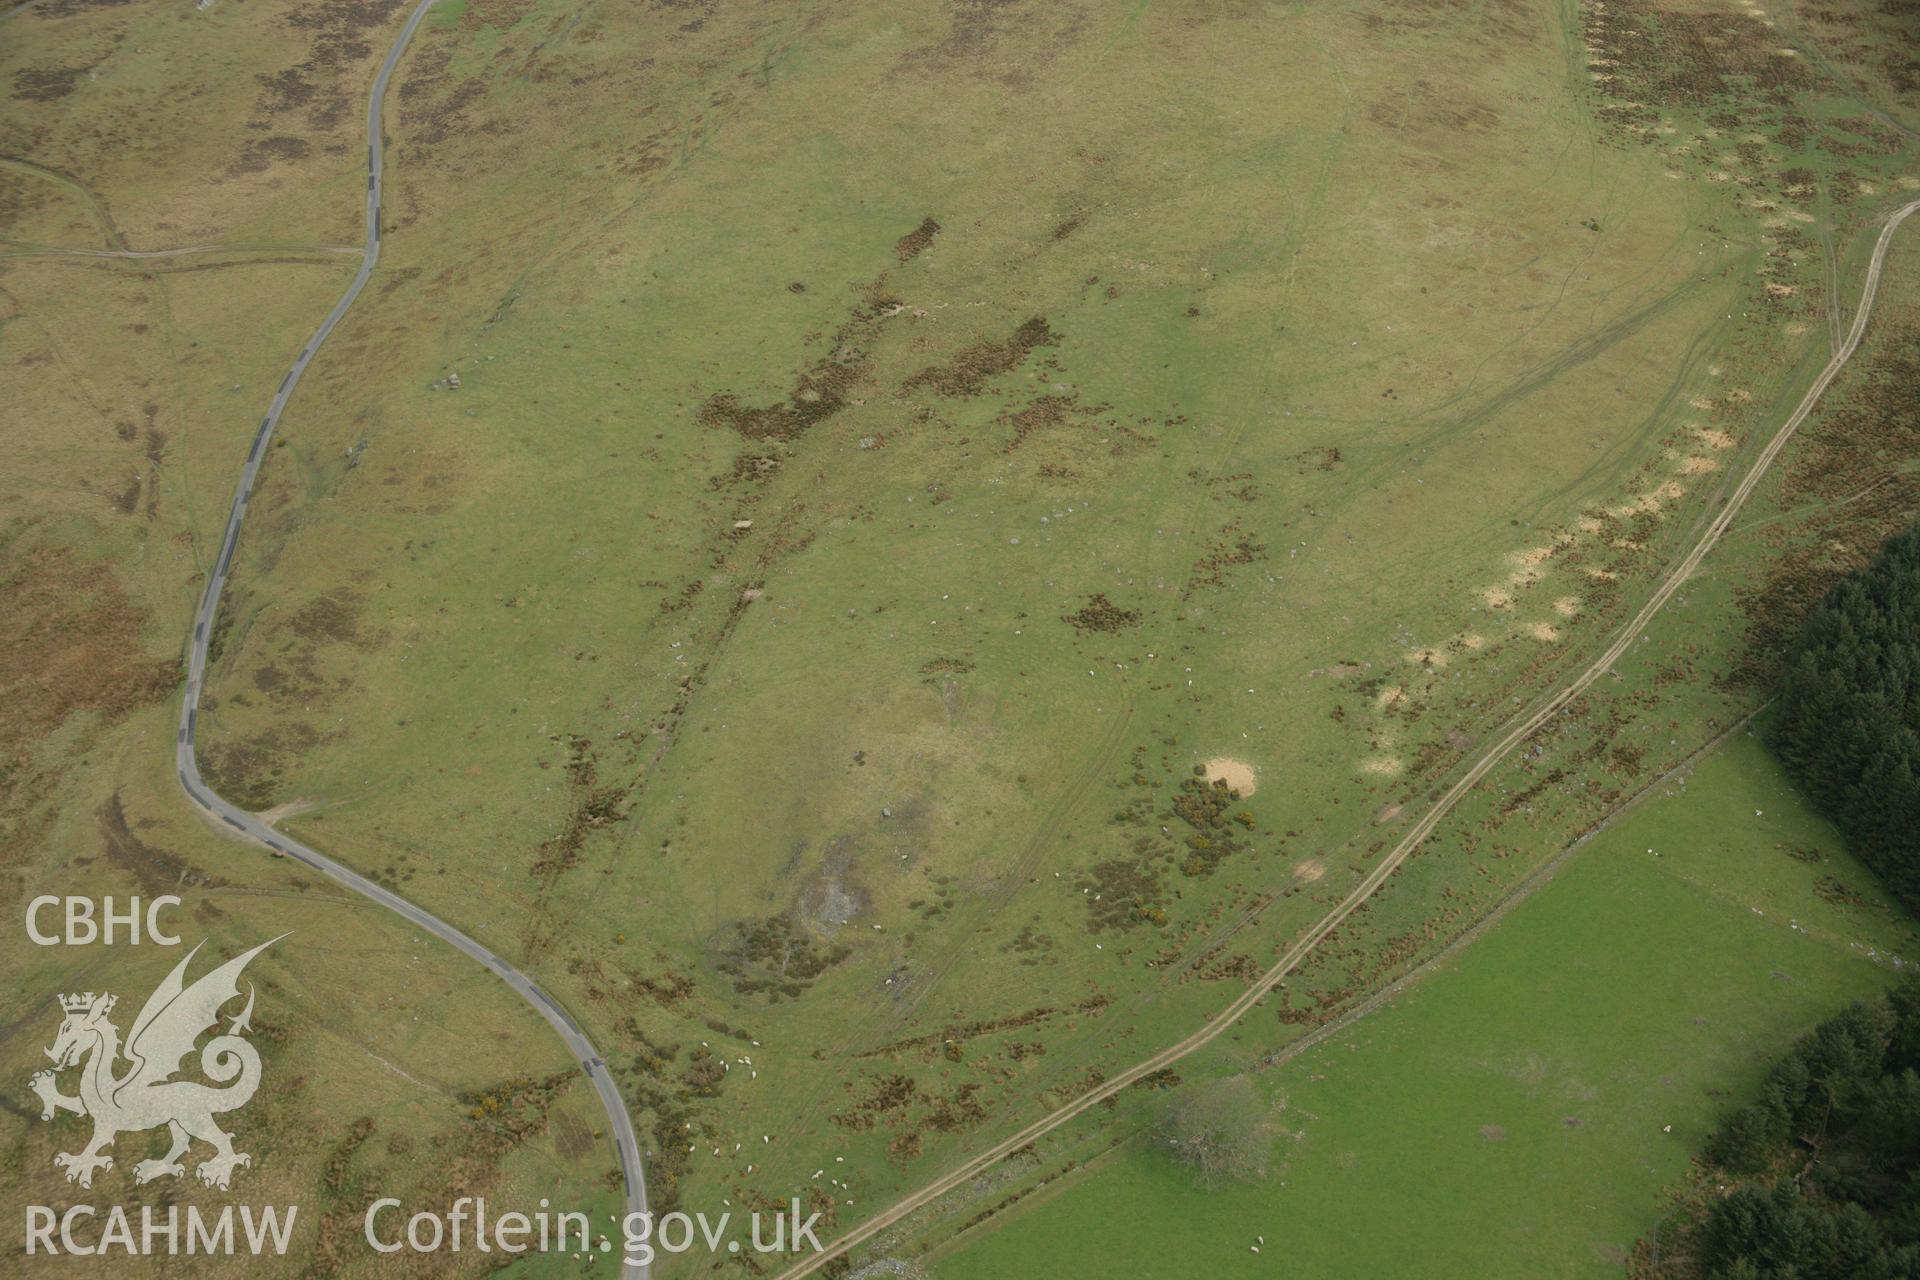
(22, 249)
(626, 1146)
(1421, 830)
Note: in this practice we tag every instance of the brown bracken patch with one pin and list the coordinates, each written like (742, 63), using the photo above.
(1845, 474)
(967, 373)
(1101, 614)
(157, 870)
(259, 154)
(45, 84)
(1045, 411)
(777, 957)
(915, 242)
(1229, 549)
(821, 391)
(590, 807)
(70, 643)
(248, 771)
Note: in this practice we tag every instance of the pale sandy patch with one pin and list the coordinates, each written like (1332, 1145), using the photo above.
(289, 809)
(1715, 439)
(1697, 466)
(1495, 598)
(1382, 766)
(1544, 632)
(1529, 564)
(1777, 290)
(1307, 870)
(1590, 524)
(1389, 698)
(1472, 640)
(1427, 658)
(1567, 606)
(1237, 774)
(1645, 504)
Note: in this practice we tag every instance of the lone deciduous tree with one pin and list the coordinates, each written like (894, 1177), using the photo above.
(1219, 1131)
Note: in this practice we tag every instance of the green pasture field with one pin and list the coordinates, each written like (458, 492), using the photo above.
(1746, 882)
(1519, 1109)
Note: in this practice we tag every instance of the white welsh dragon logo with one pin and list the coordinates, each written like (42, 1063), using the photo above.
(144, 1095)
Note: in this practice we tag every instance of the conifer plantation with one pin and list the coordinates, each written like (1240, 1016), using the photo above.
(1847, 726)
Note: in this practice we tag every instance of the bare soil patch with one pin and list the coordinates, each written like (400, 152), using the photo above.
(286, 809)
(1237, 774)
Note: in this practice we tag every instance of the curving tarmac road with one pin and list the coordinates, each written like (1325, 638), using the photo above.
(251, 827)
(1422, 829)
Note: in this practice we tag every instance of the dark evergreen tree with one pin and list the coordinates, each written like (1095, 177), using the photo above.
(1847, 724)
(1822, 1171)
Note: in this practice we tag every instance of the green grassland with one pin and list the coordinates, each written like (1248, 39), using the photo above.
(241, 123)
(1370, 401)
(120, 470)
(132, 388)
(889, 450)
(377, 1046)
(1666, 962)
(1521, 1108)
